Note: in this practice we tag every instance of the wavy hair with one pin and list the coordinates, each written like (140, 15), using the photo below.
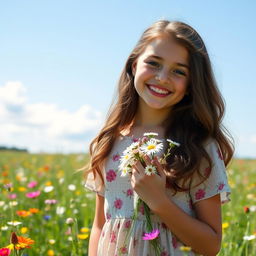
(194, 120)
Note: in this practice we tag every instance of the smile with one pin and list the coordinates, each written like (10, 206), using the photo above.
(158, 91)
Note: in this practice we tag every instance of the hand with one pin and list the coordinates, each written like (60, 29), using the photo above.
(151, 189)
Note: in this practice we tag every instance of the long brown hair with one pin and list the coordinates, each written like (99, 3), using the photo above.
(194, 120)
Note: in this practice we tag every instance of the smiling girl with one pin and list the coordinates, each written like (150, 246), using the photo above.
(167, 86)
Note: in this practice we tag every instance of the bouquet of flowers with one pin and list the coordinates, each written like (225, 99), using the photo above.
(148, 145)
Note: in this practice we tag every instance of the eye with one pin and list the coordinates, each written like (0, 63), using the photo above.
(179, 72)
(153, 63)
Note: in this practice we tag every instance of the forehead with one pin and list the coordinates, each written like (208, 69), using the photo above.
(168, 49)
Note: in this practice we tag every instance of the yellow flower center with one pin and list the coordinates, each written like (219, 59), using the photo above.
(152, 146)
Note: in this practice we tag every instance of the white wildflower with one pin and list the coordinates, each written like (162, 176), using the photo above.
(125, 161)
(150, 134)
(248, 238)
(60, 210)
(72, 187)
(13, 203)
(126, 171)
(173, 143)
(61, 180)
(70, 221)
(131, 148)
(48, 189)
(14, 223)
(52, 241)
(150, 169)
(152, 146)
(253, 208)
(4, 228)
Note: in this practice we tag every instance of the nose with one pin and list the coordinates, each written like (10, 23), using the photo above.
(163, 76)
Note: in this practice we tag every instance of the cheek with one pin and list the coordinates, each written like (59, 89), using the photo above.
(181, 85)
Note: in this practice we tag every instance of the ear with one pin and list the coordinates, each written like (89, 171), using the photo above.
(134, 65)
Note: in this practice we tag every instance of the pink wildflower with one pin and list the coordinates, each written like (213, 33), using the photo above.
(32, 184)
(50, 201)
(12, 196)
(5, 252)
(151, 235)
(33, 194)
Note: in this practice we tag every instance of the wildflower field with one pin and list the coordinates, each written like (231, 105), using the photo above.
(42, 200)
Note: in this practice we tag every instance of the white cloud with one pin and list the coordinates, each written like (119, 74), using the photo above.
(245, 146)
(43, 126)
(253, 139)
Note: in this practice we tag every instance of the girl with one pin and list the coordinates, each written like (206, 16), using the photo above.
(167, 86)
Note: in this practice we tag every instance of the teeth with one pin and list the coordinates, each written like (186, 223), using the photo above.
(155, 89)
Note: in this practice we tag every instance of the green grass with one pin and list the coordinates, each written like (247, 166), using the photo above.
(58, 171)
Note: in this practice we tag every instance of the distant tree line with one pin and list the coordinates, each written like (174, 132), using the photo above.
(2, 148)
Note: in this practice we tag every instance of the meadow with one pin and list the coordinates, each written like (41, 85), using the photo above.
(47, 203)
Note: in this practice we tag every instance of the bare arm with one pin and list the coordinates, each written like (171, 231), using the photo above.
(99, 220)
(203, 234)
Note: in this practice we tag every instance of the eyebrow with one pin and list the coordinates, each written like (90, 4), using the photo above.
(178, 63)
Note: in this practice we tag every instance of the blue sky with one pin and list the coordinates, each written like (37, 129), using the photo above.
(60, 62)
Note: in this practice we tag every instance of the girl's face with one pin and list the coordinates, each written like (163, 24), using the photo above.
(161, 74)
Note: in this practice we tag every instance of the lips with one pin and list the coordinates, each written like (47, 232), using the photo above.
(158, 90)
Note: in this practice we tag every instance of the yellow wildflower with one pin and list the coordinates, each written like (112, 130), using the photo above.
(50, 253)
(82, 236)
(185, 248)
(24, 230)
(22, 189)
(225, 225)
(84, 230)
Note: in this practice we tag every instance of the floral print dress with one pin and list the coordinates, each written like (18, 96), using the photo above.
(120, 201)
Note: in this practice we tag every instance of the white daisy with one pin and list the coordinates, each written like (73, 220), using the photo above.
(171, 143)
(124, 161)
(150, 169)
(14, 223)
(125, 171)
(150, 134)
(152, 146)
(131, 148)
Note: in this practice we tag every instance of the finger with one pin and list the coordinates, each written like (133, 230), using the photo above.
(138, 167)
(159, 167)
(147, 160)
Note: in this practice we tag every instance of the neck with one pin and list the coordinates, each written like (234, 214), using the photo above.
(149, 117)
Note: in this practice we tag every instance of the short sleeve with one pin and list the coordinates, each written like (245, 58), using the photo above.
(95, 185)
(217, 182)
